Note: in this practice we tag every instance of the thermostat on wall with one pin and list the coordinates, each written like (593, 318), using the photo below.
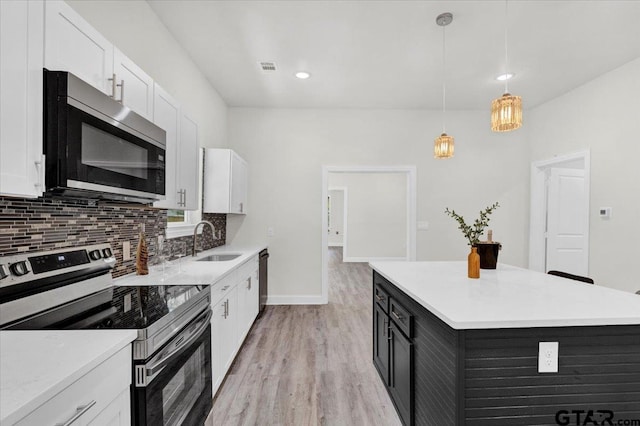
(605, 212)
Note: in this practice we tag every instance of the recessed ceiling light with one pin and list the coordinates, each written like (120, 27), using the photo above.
(507, 76)
(303, 75)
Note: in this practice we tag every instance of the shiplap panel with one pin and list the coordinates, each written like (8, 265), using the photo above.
(599, 369)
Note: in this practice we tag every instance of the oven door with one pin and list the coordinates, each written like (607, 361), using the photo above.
(173, 387)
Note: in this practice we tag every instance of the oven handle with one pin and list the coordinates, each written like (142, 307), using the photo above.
(152, 370)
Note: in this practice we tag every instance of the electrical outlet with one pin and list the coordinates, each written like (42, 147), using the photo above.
(126, 250)
(270, 232)
(548, 357)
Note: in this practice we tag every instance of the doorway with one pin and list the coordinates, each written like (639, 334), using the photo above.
(559, 222)
(379, 219)
(337, 215)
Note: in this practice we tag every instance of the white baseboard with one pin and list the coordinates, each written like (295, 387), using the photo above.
(295, 300)
(372, 259)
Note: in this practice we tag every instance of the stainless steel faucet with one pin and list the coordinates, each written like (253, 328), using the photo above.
(195, 234)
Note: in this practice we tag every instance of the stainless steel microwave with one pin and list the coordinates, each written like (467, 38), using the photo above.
(98, 148)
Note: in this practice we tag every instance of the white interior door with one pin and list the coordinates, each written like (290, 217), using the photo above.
(567, 222)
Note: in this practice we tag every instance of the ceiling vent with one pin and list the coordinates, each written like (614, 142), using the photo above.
(268, 66)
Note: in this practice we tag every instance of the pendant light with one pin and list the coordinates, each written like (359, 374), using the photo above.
(443, 144)
(506, 111)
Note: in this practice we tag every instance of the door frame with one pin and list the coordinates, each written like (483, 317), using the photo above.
(410, 171)
(345, 212)
(538, 205)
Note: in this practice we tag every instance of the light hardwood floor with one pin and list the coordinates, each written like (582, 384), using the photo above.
(310, 365)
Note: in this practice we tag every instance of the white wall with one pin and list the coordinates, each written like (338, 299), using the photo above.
(286, 148)
(135, 29)
(336, 217)
(603, 116)
(377, 215)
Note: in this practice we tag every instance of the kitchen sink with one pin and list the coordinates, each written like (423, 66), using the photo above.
(219, 257)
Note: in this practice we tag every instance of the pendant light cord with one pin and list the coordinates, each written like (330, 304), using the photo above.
(506, 48)
(444, 89)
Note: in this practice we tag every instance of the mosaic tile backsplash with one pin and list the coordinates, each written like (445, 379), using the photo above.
(49, 223)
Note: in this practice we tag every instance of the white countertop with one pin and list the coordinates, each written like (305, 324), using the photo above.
(508, 297)
(191, 271)
(37, 365)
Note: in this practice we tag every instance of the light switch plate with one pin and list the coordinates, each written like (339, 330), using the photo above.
(271, 232)
(548, 357)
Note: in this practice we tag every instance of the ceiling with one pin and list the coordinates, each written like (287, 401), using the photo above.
(388, 54)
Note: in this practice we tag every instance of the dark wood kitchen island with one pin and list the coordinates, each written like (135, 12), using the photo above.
(455, 351)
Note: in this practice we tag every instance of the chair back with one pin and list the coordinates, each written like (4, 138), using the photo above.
(571, 276)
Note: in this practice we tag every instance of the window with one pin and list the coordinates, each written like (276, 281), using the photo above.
(180, 223)
(176, 216)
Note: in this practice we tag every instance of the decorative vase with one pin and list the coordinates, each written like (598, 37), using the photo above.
(142, 255)
(473, 263)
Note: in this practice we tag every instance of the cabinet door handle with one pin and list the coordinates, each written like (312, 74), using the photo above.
(380, 298)
(121, 86)
(40, 165)
(79, 412)
(398, 317)
(113, 86)
(249, 283)
(225, 287)
(241, 207)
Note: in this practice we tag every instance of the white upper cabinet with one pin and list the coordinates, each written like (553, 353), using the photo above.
(225, 182)
(133, 87)
(166, 115)
(71, 44)
(181, 175)
(188, 163)
(21, 61)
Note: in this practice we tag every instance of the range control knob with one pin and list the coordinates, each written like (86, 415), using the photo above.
(20, 268)
(95, 255)
(3, 272)
(107, 252)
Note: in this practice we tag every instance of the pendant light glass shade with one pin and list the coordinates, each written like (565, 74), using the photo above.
(443, 146)
(506, 113)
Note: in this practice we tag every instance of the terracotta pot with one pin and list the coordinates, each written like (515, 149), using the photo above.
(488, 253)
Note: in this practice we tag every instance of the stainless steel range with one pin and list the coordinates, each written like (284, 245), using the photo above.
(73, 289)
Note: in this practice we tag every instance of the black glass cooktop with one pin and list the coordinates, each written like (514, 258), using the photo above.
(119, 307)
(139, 307)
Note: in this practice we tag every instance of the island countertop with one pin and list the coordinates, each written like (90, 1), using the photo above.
(508, 297)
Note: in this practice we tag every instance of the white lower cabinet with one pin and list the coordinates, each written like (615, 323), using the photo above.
(99, 398)
(248, 298)
(224, 336)
(235, 303)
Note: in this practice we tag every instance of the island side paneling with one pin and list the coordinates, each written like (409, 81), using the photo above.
(599, 369)
(489, 377)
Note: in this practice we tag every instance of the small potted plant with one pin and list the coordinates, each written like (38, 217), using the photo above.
(472, 233)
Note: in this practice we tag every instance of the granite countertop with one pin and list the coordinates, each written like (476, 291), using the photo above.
(189, 271)
(36, 365)
(508, 297)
